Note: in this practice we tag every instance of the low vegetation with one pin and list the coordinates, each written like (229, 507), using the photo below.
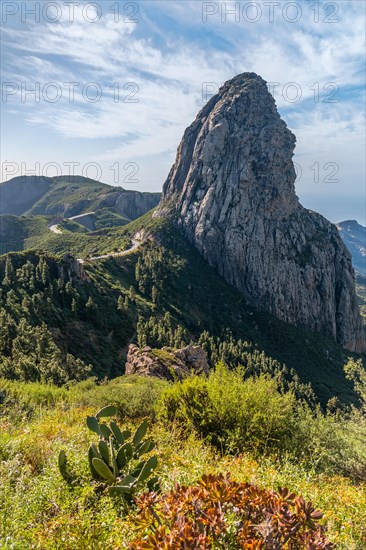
(216, 460)
(221, 513)
(267, 451)
(114, 461)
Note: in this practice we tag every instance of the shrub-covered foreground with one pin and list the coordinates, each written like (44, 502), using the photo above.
(38, 509)
(238, 415)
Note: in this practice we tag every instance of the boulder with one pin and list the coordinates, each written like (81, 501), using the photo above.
(166, 363)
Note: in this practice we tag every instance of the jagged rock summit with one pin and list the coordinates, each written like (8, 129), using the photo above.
(232, 192)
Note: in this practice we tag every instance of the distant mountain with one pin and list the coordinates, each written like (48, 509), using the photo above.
(69, 196)
(32, 206)
(354, 237)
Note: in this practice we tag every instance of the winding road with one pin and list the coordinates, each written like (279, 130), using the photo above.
(135, 243)
(56, 227)
(81, 215)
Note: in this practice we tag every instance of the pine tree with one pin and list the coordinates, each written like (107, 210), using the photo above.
(91, 309)
(142, 287)
(154, 295)
(138, 270)
(76, 369)
(9, 273)
(25, 304)
(120, 304)
(69, 289)
(167, 320)
(42, 271)
(74, 307)
(132, 294)
(141, 333)
(90, 304)
(12, 301)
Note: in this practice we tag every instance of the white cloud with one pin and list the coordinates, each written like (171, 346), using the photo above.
(170, 66)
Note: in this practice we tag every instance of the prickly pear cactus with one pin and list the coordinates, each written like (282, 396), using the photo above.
(115, 460)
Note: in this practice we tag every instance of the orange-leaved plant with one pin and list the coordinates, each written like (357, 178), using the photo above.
(221, 513)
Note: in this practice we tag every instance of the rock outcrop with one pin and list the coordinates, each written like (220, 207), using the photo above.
(73, 268)
(166, 363)
(232, 192)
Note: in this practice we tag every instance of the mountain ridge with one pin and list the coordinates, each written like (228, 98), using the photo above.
(200, 304)
(68, 196)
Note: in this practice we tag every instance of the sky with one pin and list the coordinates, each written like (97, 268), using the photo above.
(106, 89)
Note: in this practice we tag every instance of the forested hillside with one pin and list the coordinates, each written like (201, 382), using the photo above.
(163, 294)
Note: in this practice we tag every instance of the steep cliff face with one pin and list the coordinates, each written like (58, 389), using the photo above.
(133, 204)
(232, 187)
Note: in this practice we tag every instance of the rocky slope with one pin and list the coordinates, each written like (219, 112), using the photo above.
(70, 196)
(354, 237)
(232, 191)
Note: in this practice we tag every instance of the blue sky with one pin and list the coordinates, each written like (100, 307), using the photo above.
(165, 57)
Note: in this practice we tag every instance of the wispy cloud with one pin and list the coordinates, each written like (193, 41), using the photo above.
(169, 53)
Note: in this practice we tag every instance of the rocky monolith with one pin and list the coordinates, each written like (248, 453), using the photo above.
(232, 192)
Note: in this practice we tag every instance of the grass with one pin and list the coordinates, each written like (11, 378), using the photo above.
(106, 217)
(39, 510)
(72, 226)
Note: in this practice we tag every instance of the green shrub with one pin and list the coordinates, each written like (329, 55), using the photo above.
(356, 372)
(232, 413)
(134, 396)
(30, 394)
(250, 415)
(336, 440)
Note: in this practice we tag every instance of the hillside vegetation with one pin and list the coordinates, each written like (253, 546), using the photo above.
(246, 456)
(68, 196)
(281, 444)
(161, 294)
(80, 208)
